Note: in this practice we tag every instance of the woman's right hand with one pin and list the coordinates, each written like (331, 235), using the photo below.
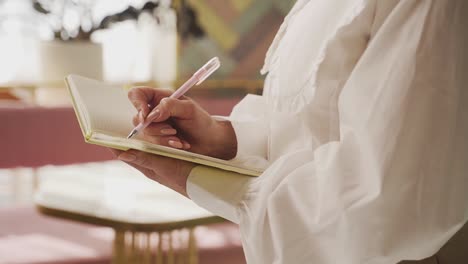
(182, 124)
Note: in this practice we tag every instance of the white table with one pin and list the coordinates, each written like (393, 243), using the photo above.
(144, 214)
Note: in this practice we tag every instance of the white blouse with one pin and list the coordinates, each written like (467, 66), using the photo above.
(362, 127)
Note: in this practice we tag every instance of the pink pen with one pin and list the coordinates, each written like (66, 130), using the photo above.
(197, 78)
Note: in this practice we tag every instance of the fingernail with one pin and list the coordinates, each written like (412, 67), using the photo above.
(186, 145)
(129, 157)
(154, 115)
(175, 144)
(168, 131)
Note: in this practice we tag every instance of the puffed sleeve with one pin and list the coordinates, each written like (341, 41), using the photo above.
(221, 191)
(248, 116)
(395, 184)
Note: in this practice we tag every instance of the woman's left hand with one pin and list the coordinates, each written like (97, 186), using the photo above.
(170, 172)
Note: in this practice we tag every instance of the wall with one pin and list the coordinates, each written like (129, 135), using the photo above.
(237, 31)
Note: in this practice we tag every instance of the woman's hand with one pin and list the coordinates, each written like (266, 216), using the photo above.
(182, 124)
(170, 172)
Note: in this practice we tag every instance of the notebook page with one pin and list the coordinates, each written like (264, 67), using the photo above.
(110, 114)
(80, 109)
(108, 107)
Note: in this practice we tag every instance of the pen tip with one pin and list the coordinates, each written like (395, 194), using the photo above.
(134, 131)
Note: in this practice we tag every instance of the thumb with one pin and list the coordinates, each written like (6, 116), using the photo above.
(159, 164)
(140, 158)
(171, 107)
(144, 98)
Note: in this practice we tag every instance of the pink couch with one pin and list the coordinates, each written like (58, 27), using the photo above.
(35, 136)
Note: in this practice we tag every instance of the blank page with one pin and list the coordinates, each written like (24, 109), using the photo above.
(109, 112)
(107, 107)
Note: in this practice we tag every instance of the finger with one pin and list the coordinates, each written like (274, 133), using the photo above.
(171, 107)
(136, 119)
(175, 143)
(115, 152)
(141, 97)
(159, 129)
(185, 144)
(143, 159)
(167, 141)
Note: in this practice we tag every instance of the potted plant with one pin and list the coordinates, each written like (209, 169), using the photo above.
(72, 50)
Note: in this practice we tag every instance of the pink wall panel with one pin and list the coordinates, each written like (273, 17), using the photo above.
(32, 136)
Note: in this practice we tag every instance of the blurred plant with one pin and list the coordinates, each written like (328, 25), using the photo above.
(68, 19)
(72, 19)
(187, 23)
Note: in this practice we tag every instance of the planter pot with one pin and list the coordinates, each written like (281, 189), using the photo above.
(57, 60)
(165, 47)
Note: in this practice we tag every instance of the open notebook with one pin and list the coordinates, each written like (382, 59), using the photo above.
(105, 116)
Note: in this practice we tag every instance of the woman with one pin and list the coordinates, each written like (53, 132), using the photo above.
(362, 126)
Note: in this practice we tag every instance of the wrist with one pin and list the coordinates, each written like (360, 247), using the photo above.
(225, 140)
(183, 171)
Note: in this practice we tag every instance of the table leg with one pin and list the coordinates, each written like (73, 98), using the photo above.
(131, 250)
(147, 249)
(192, 248)
(170, 251)
(134, 254)
(118, 256)
(159, 251)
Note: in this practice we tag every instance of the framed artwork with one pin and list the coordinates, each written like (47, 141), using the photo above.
(239, 32)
